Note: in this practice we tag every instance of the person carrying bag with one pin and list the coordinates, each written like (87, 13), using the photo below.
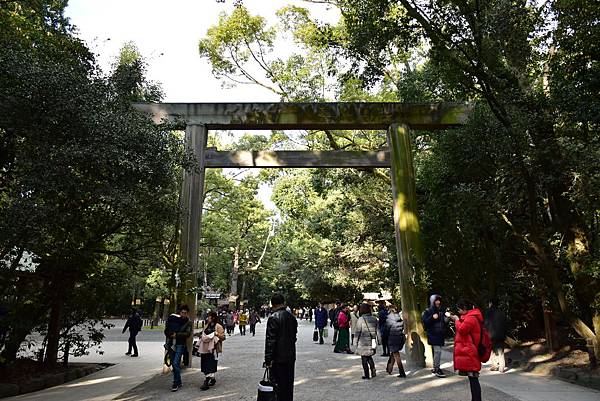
(267, 389)
(366, 340)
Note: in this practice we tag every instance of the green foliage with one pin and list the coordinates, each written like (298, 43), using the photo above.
(85, 179)
(509, 203)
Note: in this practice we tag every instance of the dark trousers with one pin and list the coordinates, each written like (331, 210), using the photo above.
(335, 334)
(242, 329)
(367, 363)
(283, 375)
(475, 388)
(320, 335)
(384, 343)
(394, 359)
(132, 343)
(253, 329)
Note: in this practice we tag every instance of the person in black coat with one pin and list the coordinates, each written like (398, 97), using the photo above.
(382, 315)
(320, 321)
(333, 316)
(435, 320)
(134, 324)
(394, 330)
(495, 323)
(280, 348)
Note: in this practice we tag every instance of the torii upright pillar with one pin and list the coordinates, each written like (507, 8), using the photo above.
(408, 241)
(192, 198)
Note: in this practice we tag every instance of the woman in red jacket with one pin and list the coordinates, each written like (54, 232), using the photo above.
(468, 333)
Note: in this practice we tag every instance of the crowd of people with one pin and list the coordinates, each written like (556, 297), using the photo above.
(240, 318)
(356, 330)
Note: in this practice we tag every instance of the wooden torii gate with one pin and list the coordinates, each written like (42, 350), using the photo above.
(397, 118)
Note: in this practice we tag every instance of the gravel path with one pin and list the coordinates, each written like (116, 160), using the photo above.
(321, 375)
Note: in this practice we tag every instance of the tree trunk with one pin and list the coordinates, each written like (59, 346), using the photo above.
(596, 343)
(165, 314)
(12, 346)
(54, 326)
(243, 292)
(156, 313)
(234, 276)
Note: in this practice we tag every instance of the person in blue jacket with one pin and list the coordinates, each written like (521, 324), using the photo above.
(435, 320)
(320, 320)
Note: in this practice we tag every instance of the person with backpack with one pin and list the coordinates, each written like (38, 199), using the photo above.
(134, 324)
(396, 339)
(435, 320)
(366, 340)
(469, 347)
(495, 323)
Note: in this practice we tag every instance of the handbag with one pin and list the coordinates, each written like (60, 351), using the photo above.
(316, 335)
(267, 389)
(325, 332)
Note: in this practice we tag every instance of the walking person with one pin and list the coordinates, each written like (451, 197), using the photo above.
(211, 346)
(280, 348)
(396, 340)
(134, 324)
(466, 342)
(382, 315)
(366, 332)
(333, 316)
(495, 323)
(343, 341)
(243, 322)
(179, 329)
(320, 320)
(229, 322)
(253, 320)
(310, 314)
(353, 321)
(236, 319)
(435, 320)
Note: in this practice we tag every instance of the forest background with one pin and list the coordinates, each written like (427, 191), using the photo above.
(509, 203)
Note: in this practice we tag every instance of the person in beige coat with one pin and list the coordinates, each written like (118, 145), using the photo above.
(365, 333)
(211, 346)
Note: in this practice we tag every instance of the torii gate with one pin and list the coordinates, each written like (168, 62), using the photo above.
(396, 118)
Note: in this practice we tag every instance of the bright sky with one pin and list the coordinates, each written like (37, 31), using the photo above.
(167, 35)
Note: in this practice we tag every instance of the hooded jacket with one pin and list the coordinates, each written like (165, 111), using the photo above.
(468, 333)
(436, 328)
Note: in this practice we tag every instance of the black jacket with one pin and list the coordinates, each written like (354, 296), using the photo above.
(280, 343)
(134, 324)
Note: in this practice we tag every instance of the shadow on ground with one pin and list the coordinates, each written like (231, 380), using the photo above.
(320, 375)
